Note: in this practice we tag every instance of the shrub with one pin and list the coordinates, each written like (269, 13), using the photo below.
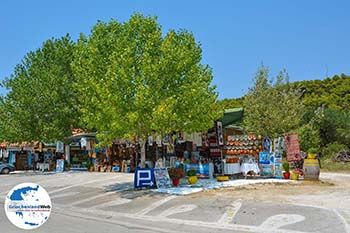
(191, 172)
(175, 173)
(313, 150)
(332, 149)
(309, 137)
(285, 166)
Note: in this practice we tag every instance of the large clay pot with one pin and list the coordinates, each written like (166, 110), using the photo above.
(176, 182)
(192, 179)
(311, 156)
(311, 169)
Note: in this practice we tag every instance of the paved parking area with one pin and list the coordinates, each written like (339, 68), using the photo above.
(106, 202)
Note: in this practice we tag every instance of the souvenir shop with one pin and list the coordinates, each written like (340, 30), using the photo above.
(82, 154)
(18, 154)
(79, 150)
(119, 157)
(46, 155)
(178, 148)
(225, 151)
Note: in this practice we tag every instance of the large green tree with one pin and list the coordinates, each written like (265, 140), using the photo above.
(135, 80)
(272, 107)
(41, 103)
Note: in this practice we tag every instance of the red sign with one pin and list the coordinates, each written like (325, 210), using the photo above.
(292, 147)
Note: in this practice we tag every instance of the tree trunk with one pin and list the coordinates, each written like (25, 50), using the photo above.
(143, 153)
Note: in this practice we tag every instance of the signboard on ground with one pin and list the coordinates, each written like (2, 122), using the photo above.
(144, 178)
(162, 178)
(278, 165)
(266, 161)
(59, 165)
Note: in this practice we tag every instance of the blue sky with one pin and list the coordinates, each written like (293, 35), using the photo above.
(308, 38)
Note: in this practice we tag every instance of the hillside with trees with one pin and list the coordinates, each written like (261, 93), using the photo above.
(331, 92)
(320, 110)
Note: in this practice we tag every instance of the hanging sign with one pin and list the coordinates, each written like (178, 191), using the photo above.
(144, 178)
(220, 133)
(162, 178)
(59, 147)
(292, 147)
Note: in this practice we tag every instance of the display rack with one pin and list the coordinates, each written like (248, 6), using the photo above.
(238, 146)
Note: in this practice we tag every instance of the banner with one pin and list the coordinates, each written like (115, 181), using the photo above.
(292, 147)
(219, 133)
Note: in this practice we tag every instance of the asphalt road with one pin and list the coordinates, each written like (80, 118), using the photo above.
(106, 202)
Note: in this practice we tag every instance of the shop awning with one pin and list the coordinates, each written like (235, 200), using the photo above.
(232, 116)
(77, 137)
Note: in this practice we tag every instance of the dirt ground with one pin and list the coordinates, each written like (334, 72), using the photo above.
(331, 191)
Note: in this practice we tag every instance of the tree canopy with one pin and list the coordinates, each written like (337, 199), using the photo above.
(41, 103)
(330, 92)
(133, 81)
(271, 107)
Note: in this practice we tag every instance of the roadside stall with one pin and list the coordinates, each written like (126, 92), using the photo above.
(80, 148)
(20, 155)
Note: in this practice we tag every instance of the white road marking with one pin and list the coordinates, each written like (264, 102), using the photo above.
(344, 219)
(155, 205)
(67, 194)
(118, 201)
(177, 209)
(95, 197)
(80, 184)
(230, 213)
(212, 225)
(115, 221)
(280, 220)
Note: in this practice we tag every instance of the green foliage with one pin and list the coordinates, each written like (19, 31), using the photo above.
(335, 126)
(133, 80)
(285, 166)
(313, 150)
(41, 103)
(230, 103)
(176, 173)
(191, 172)
(272, 108)
(325, 126)
(331, 92)
(309, 137)
(332, 149)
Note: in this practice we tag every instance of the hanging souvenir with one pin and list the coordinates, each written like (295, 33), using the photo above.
(159, 141)
(83, 142)
(267, 145)
(150, 140)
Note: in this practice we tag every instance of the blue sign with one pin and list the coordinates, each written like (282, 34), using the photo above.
(144, 178)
